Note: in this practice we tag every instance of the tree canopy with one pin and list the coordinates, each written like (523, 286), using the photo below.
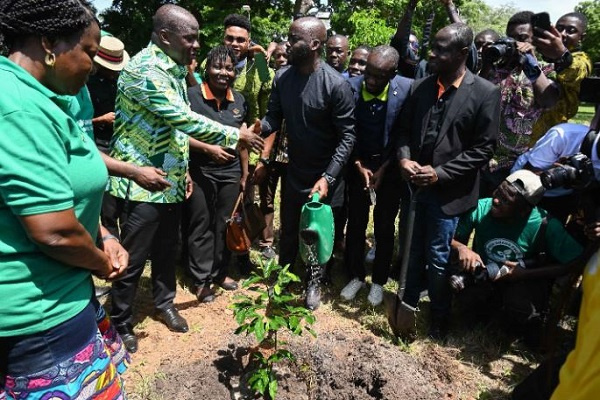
(370, 22)
(591, 43)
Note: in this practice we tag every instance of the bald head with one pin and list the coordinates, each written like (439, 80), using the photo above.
(312, 26)
(175, 31)
(173, 18)
(336, 52)
(307, 37)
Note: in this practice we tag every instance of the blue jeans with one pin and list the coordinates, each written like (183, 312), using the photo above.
(432, 235)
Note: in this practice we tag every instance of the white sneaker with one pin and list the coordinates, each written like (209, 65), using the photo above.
(351, 289)
(375, 295)
(370, 257)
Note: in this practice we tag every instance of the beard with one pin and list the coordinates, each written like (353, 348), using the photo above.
(298, 54)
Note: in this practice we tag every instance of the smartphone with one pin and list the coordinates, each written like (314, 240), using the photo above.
(262, 67)
(542, 21)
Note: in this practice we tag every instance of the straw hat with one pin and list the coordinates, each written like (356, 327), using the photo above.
(111, 54)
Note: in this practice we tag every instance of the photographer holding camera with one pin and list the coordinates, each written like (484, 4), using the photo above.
(526, 91)
(508, 264)
(579, 145)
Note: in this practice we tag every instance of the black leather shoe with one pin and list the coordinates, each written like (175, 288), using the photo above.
(171, 318)
(228, 284)
(205, 294)
(128, 337)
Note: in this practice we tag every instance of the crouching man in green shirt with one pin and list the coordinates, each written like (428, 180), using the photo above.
(517, 251)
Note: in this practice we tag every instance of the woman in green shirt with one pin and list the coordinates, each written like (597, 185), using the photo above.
(51, 184)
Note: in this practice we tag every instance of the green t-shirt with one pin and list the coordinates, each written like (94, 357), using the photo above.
(82, 110)
(48, 164)
(498, 241)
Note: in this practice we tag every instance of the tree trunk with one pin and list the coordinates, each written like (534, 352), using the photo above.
(302, 6)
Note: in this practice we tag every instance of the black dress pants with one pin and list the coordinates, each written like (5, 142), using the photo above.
(150, 230)
(384, 216)
(267, 191)
(205, 215)
(294, 196)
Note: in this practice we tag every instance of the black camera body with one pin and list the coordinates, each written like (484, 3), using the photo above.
(481, 274)
(503, 51)
(577, 173)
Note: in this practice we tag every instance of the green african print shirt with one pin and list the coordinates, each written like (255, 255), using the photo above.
(152, 123)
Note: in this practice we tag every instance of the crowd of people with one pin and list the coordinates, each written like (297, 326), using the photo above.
(154, 151)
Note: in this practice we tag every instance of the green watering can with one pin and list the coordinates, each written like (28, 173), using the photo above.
(316, 232)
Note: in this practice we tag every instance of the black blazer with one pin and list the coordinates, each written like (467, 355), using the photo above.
(397, 93)
(466, 141)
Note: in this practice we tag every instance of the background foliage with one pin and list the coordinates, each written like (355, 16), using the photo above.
(591, 44)
(369, 22)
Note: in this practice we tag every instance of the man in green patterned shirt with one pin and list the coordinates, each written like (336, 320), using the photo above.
(153, 127)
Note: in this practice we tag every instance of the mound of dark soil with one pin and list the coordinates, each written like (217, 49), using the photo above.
(337, 365)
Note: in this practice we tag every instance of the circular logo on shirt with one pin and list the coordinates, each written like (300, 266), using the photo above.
(500, 250)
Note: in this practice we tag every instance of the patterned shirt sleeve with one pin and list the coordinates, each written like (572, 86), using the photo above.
(157, 94)
(569, 81)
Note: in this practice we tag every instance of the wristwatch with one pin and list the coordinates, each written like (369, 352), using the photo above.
(330, 179)
(264, 161)
(563, 62)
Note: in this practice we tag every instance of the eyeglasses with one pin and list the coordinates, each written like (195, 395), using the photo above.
(235, 39)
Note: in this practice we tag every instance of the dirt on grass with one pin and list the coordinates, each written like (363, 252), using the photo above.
(353, 357)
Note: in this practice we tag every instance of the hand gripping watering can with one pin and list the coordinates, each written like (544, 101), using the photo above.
(316, 232)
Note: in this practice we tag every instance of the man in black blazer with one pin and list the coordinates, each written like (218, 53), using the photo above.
(378, 97)
(447, 132)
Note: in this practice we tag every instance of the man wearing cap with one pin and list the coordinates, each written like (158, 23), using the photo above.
(108, 63)
(512, 232)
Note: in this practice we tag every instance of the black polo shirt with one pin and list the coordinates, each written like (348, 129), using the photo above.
(232, 112)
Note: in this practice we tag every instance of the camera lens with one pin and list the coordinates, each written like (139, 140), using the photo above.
(555, 177)
(495, 52)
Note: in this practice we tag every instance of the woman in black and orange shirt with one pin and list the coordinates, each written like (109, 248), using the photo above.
(218, 174)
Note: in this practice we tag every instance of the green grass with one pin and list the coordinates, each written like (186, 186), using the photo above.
(585, 113)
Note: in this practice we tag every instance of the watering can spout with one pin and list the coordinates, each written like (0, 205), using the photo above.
(316, 232)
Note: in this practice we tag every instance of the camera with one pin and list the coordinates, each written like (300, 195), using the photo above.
(503, 51)
(481, 274)
(576, 173)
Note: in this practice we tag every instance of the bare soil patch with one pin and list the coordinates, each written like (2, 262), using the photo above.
(353, 357)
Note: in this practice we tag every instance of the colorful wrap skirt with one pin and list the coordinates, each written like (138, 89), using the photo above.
(93, 372)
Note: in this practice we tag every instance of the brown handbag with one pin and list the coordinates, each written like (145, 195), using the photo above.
(236, 238)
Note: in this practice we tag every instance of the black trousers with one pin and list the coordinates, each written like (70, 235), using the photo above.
(292, 200)
(204, 225)
(267, 190)
(112, 210)
(150, 230)
(384, 216)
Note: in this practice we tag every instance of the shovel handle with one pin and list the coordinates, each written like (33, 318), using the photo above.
(407, 242)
